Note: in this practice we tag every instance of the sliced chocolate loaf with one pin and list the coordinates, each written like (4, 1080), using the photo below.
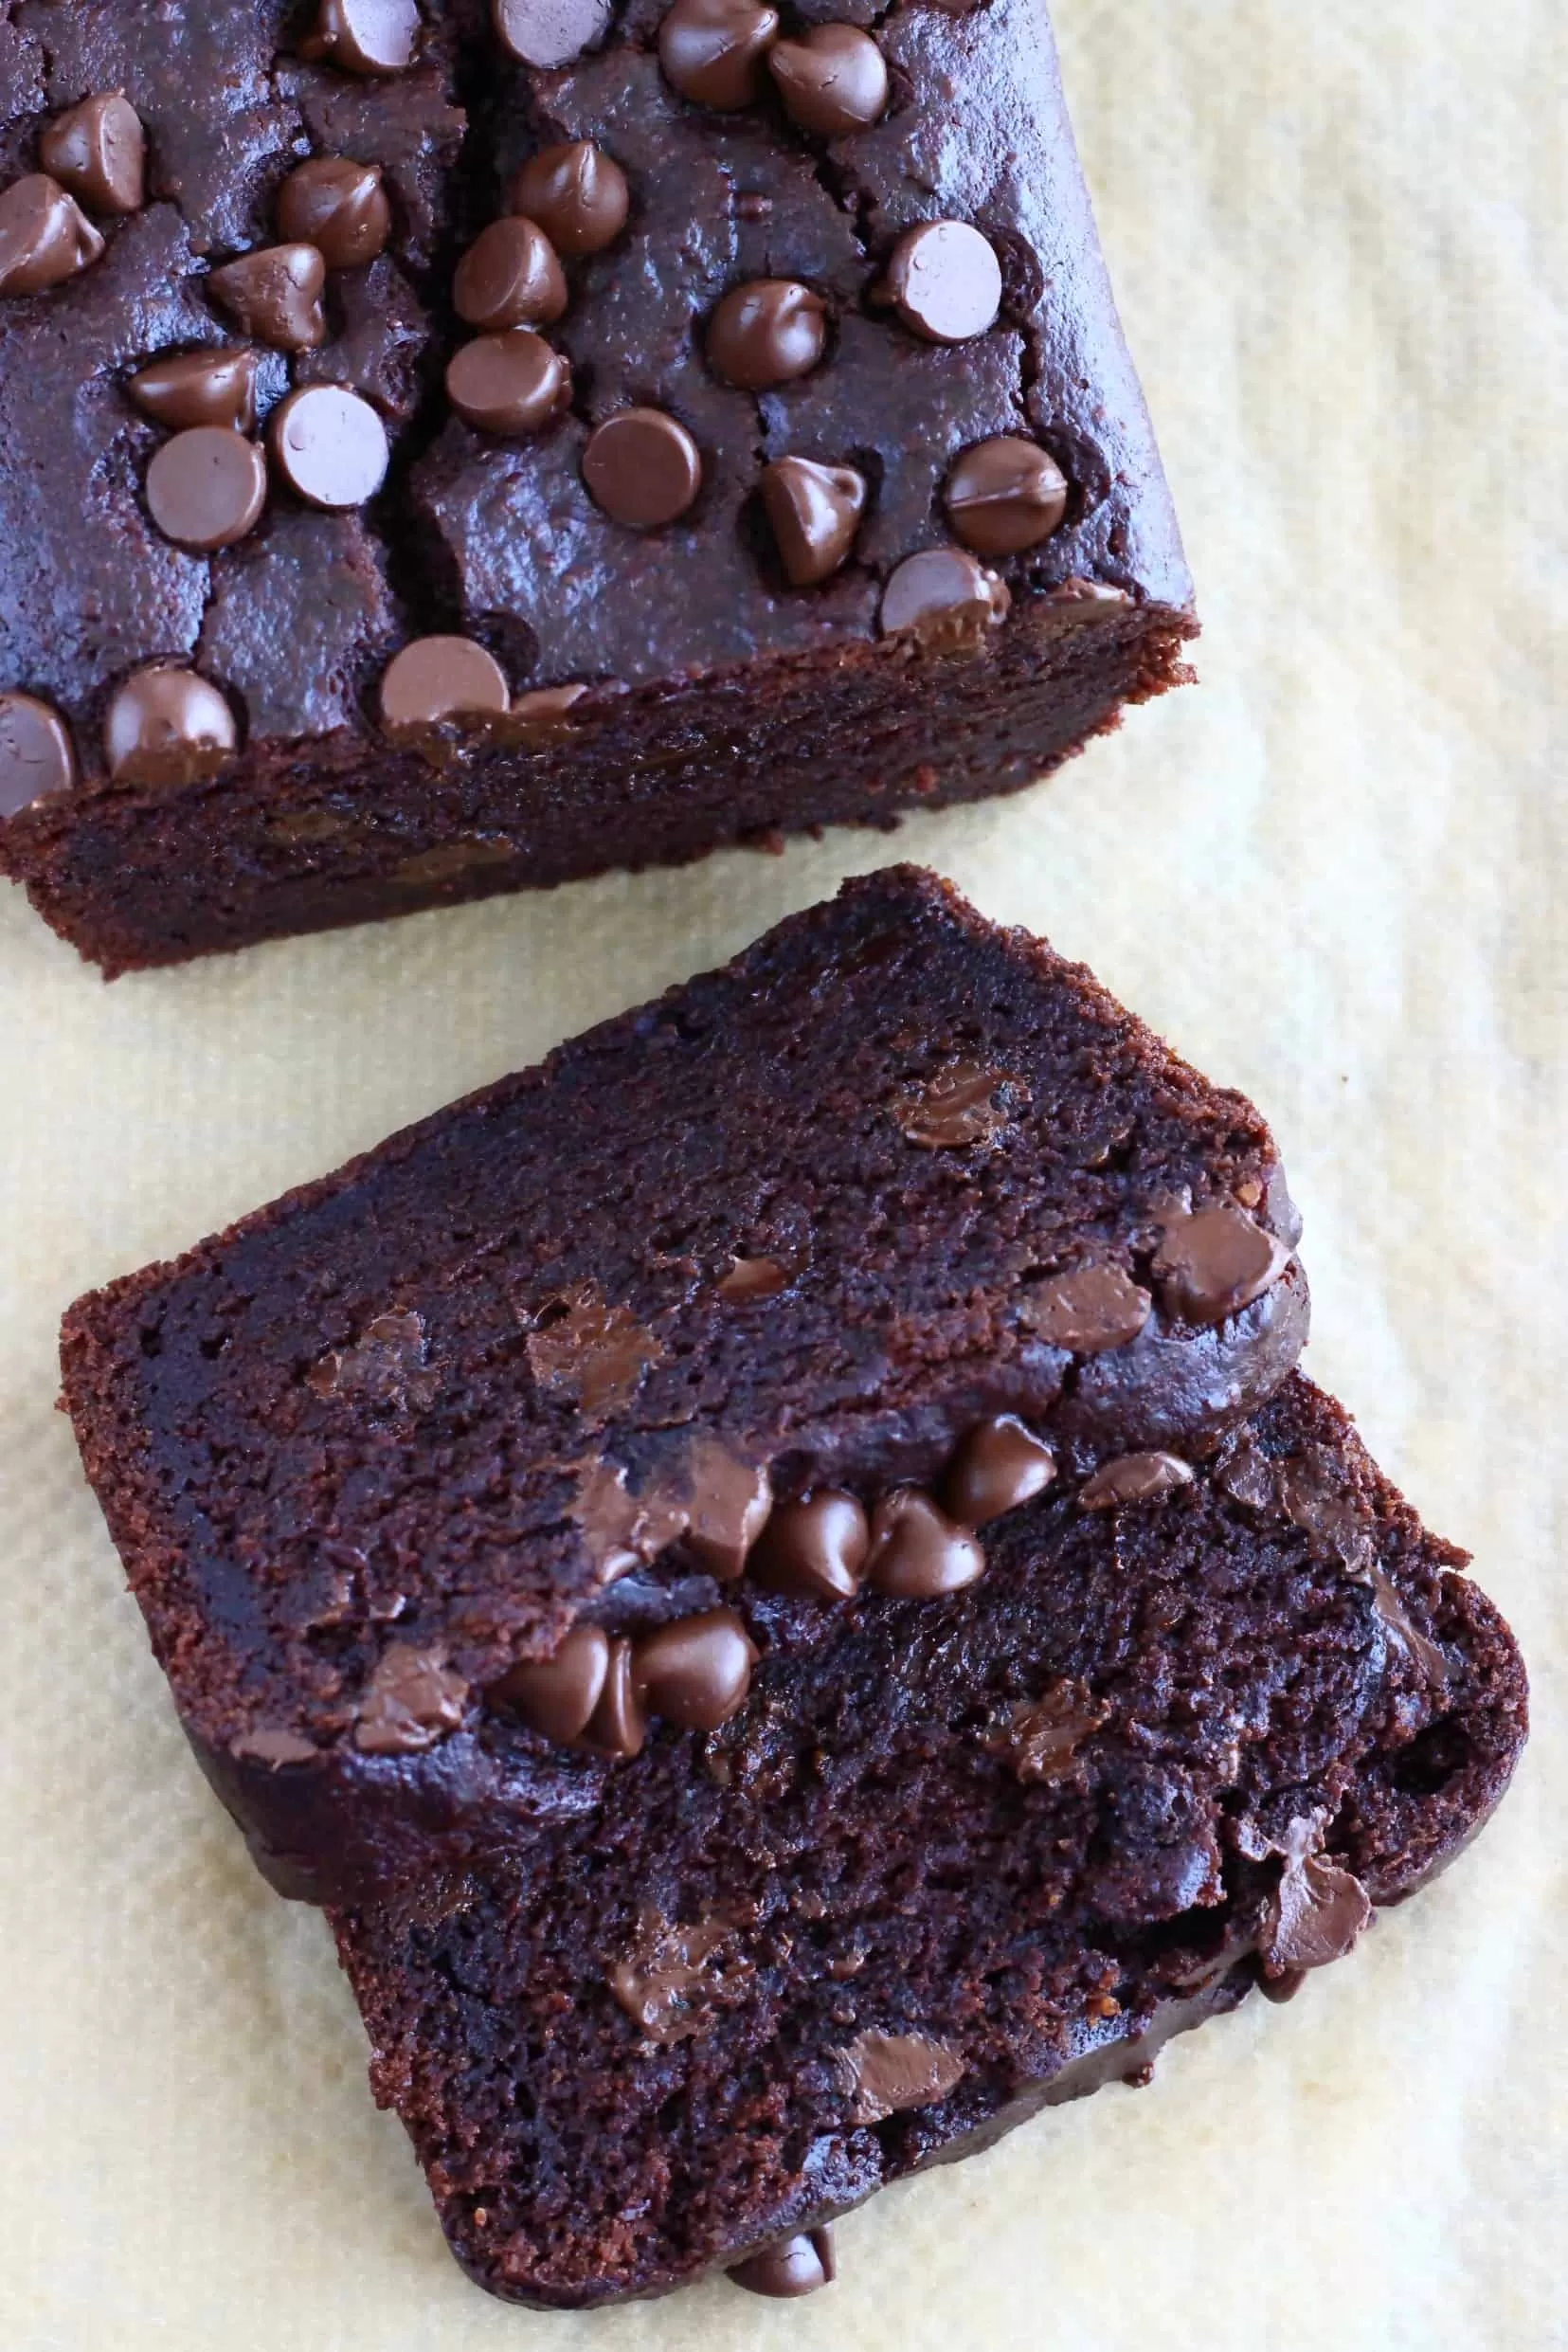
(955, 1857)
(543, 1366)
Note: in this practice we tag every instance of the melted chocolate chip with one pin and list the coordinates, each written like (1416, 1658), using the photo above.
(999, 1466)
(1042, 1736)
(814, 1548)
(1134, 1478)
(435, 679)
(622, 1532)
(944, 282)
(168, 726)
(1213, 1262)
(556, 1696)
(884, 2074)
(696, 1672)
(413, 1699)
(1423, 1654)
(1088, 1312)
(713, 51)
(275, 294)
(36, 752)
(952, 1108)
(729, 1505)
(337, 205)
(1282, 1988)
(814, 512)
(330, 447)
(751, 1278)
(514, 383)
(44, 235)
(767, 332)
(366, 36)
(944, 598)
(595, 1353)
(833, 80)
(199, 387)
(1318, 1910)
(668, 1985)
(551, 32)
(275, 1748)
(1005, 495)
(917, 1552)
(388, 1364)
(795, 2266)
(509, 276)
(549, 708)
(619, 1724)
(642, 467)
(99, 152)
(207, 488)
(577, 194)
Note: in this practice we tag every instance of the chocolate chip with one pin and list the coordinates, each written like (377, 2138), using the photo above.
(1318, 1910)
(274, 1746)
(1088, 1312)
(1282, 1988)
(513, 383)
(814, 1548)
(206, 488)
(576, 193)
(98, 151)
(594, 1354)
(441, 678)
(388, 1364)
(548, 707)
(1005, 495)
(275, 294)
(1042, 1736)
(337, 205)
(1214, 1262)
(833, 80)
(999, 1466)
(551, 32)
(44, 235)
(767, 332)
(412, 1700)
(619, 1724)
(36, 755)
(621, 1531)
(509, 276)
(885, 2075)
(167, 726)
(556, 1696)
(366, 36)
(668, 1983)
(713, 51)
(696, 1672)
(952, 1108)
(795, 2266)
(814, 512)
(917, 1552)
(1134, 1478)
(330, 447)
(730, 1500)
(944, 282)
(944, 597)
(751, 1278)
(642, 467)
(199, 387)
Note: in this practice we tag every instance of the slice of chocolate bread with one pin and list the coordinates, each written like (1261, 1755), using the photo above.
(543, 1364)
(955, 1858)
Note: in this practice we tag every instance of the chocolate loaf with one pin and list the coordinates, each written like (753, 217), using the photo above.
(955, 1858)
(897, 1201)
(445, 448)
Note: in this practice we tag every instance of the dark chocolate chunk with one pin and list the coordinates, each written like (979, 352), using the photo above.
(999, 1466)
(669, 1983)
(1005, 495)
(275, 294)
(814, 512)
(622, 1531)
(274, 1746)
(1318, 1910)
(944, 282)
(943, 596)
(551, 32)
(1089, 1311)
(337, 205)
(36, 753)
(556, 1696)
(99, 152)
(749, 1279)
(366, 36)
(713, 51)
(509, 276)
(207, 487)
(1134, 1478)
(833, 80)
(885, 2075)
(593, 1352)
(917, 1552)
(619, 1724)
(953, 1109)
(730, 1500)
(413, 1699)
(1042, 1737)
(330, 447)
(695, 1672)
(1214, 1261)
(577, 194)
(441, 678)
(513, 384)
(813, 1549)
(767, 332)
(388, 1364)
(44, 235)
(199, 387)
(642, 467)
(795, 2266)
(168, 726)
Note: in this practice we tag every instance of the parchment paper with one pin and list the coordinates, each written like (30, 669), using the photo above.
(1333, 876)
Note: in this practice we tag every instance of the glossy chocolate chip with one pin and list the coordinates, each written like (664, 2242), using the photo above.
(337, 205)
(412, 1700)
(619, 1724)
(730, 1500)
(36, 754)
(366, 36)
(275, 294)
(513, 383)
(813, 1549)
(556, 1696)
(44, 235)
(199, 387)
(954, 1107)
(814, 511)
(1005, 495)
(833, 80)
(642, 468)
(917, 1552)
(99, 152)
(713, 51)
(547, 706)
(943, 593)
(576, 193)
(795, 2266)
(167, 726)
(999, 1466)
(551, 32)
(767, 332)
(509, 276)
(439, 677)
(1089, 1312)
(748, 1279)
(1134, 1478)
(207, 487)
(330, 447)
(944, 282)
(696, 1672)
(1214, 1262)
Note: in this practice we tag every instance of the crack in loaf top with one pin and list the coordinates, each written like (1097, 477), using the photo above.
(656, 337)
